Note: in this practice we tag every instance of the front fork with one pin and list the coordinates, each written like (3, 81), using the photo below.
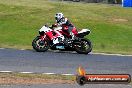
(43, 37)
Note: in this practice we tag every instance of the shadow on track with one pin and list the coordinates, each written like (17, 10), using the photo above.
(61, 51)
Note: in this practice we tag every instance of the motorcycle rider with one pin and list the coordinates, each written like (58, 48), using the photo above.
(65, 24)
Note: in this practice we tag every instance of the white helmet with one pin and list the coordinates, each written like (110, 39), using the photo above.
(58, 16)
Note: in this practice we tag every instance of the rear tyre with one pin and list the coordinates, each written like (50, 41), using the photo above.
(40, 45)
(84, 46)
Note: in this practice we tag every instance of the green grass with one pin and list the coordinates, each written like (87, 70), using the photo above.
(110, 25)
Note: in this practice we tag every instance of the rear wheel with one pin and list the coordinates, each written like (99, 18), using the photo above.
(83, 46)
(40, 45)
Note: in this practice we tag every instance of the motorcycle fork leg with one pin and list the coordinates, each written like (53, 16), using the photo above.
(42, 37)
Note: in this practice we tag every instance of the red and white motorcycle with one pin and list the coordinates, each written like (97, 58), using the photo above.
(58, 39)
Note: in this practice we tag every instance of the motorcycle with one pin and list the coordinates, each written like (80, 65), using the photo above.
(58, 39)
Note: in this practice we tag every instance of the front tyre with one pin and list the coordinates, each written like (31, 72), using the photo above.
(40, 45)
(83, 46)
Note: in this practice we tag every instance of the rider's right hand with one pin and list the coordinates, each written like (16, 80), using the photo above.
(53, 25)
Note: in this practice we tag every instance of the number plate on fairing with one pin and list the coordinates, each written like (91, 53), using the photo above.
(60, 47)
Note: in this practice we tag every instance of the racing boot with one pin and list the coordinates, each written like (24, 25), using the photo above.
(72, 35)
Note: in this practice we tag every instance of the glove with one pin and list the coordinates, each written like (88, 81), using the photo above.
(54, 25)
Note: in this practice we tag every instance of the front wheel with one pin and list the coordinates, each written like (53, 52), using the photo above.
(83, 46)
(40, 45)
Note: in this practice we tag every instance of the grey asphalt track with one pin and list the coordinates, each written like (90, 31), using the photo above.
(61, 62)
(68, 86)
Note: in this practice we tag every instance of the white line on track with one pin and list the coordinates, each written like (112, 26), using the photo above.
(36, 73)
(68, 74)
(22, 49)
(110, 54)
(2, 48)
(6, 71)
(49, 73)
(89, 53)
(93, 53)
(26, 72)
